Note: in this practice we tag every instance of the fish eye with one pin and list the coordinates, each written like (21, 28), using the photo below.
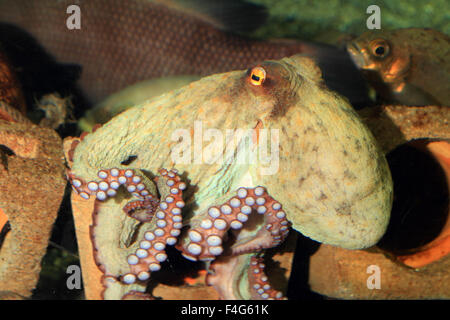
(257, 76)
(379, 48)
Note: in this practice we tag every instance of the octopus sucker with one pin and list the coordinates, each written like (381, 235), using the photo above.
(204, 241)
(258, 280)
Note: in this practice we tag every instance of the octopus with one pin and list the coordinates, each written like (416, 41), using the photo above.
(224, 168)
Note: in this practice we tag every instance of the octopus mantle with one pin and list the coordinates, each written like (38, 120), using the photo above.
(322, 172)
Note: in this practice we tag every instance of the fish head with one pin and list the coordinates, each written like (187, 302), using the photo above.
(380, 54)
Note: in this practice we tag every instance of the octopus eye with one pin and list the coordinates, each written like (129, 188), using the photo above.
(257, 76)
(380, 48)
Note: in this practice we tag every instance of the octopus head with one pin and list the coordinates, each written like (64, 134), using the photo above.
(330, 176)
(333, 180)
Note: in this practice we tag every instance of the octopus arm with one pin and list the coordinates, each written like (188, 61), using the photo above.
(128, 257)
(239, 277)
(208, 230)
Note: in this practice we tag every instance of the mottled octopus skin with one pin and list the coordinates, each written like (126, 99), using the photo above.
(332, 180)
(124, 42)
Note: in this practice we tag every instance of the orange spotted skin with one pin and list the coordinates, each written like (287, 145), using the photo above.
(123, 42)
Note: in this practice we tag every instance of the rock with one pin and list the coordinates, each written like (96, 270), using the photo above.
(32, 185)
(341, 273)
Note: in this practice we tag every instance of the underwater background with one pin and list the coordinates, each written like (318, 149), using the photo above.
(326, 21)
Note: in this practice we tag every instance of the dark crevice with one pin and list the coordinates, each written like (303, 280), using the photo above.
(129, 160)
(420, 207)
(6, 228)
(5, 152)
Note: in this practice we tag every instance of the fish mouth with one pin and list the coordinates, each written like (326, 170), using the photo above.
(357, 55)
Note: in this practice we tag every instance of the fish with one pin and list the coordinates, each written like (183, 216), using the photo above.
(121, 43)
(237, 16)
(407, 66)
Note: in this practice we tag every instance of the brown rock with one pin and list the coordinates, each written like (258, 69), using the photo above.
(32, 185)
(394, 125)
(341, 273)
(92, 276)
